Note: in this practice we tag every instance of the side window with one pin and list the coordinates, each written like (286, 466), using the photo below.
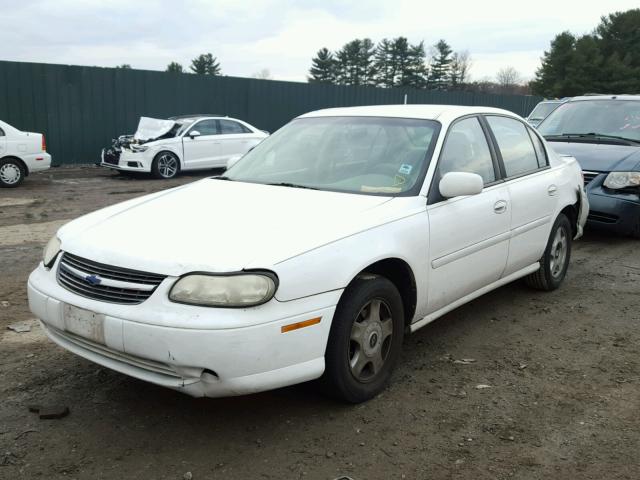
(466, 150)
(206, 127)
(541, 153)
(515, 145)
(1, 132)
(229, 127)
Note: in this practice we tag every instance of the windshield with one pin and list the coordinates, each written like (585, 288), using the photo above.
(542, 110)
(617, 118)
(370, 155)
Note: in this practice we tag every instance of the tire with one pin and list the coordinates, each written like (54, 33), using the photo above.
(165, 165)
(555, 261)
(363, 349)
(12, 173)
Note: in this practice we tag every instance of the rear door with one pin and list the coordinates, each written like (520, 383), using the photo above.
(531, 185)
(469, 236)
(235, 139)
(202, 151)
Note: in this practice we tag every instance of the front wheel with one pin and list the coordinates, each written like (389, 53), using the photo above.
(365, 339)
(12, 173)
(166, 165)
(555, 261)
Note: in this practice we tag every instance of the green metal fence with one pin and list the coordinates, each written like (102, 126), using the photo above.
(80, 109)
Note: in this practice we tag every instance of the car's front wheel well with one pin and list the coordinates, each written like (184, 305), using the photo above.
(19, 161)
(400, 274)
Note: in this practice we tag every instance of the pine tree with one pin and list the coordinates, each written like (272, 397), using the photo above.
(355, 63)
(323, 67)
(205, 64)
(174, 67)
(440, 73)
(385, 64)
(551, 77)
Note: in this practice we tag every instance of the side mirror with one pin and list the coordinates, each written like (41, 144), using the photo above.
(456, 184)
(193, 134)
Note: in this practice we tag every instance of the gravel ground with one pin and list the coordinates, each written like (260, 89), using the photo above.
(562, 370)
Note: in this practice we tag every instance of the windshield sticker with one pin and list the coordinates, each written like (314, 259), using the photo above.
(405, 169)
(399, 180)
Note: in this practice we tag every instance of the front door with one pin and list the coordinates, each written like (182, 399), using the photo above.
(469, 235)
(203, 150)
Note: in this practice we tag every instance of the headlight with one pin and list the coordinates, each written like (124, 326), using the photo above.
(622, 180)
(230, 290)
(138, 148)
(51, 252)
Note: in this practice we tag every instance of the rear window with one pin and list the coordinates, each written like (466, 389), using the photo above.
(515, 145)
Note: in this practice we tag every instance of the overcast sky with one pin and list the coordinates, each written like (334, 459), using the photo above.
(283, 35)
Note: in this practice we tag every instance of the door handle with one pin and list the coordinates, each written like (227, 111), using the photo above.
(500, 206)
(552, 190)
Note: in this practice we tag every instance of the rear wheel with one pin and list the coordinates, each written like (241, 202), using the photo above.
(365, 339)
(166, 165)
(555, 261)
(12, 173)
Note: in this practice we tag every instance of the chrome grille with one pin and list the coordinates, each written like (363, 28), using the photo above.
(589, 176)
(105, 282)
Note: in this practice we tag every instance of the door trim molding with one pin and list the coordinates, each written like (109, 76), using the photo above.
(469, 250)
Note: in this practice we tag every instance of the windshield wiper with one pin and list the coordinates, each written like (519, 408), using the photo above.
(293, 185)
(595, 136)
(222, 177)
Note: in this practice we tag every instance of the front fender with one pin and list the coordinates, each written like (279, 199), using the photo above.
(333, 266)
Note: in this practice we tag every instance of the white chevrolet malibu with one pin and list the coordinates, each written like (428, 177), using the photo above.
(315, 253)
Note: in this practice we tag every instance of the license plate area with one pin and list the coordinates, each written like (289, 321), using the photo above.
(84, 323)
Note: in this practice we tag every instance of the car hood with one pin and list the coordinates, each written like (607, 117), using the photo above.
(600, 157)
(221, 226)
(151, 128)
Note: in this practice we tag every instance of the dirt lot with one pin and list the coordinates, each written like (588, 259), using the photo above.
(563, 371)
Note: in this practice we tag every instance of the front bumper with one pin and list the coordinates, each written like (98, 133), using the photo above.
(126, 160)
(611, 210)
(197, 350)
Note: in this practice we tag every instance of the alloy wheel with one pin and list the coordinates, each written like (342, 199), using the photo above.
(167, 165)
(558, 255)
(370, 341)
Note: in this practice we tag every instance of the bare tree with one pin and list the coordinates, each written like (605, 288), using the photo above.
(264, 74)
(508, 78)
(460, 67)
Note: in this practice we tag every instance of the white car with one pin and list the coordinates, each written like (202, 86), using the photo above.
(21, 153)
(189, 142)
(315, 252)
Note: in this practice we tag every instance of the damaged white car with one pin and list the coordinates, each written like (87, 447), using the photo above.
(189, 142)
(338, 233)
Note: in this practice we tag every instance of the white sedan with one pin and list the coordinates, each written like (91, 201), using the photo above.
(21, 153)
(188, 142)
(315, 253)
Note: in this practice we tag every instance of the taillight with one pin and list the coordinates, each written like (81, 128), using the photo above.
(44, 144)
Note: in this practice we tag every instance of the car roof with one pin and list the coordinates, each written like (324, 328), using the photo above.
(197, 115)
(426, 112)
(605, 97)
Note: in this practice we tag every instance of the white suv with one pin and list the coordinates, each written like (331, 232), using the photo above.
(189, 142)
(20, 154)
